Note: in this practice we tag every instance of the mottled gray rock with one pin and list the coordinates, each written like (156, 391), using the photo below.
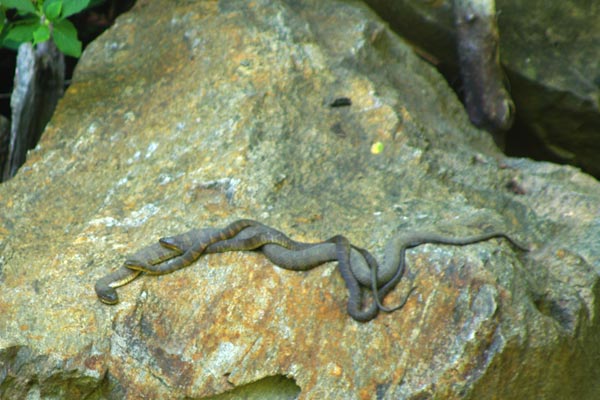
(228, 116)
(4, 139)
(551, 55)
(39, 83)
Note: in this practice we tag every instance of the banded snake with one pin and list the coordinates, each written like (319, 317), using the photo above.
(357, 266)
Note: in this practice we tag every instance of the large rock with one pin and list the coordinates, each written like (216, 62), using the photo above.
(551, 56)
(193, 114)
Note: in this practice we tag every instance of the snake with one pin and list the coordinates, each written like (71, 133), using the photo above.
(356, 265)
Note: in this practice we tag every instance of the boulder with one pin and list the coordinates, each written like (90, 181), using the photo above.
(194, 114)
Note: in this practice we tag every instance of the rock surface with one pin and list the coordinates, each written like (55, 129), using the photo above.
(193, 114)
(551, 56)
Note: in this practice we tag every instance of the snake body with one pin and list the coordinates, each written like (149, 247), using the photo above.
(278, 248)
(343, 249)
(148, 259)
(192, 253)
(289, 254)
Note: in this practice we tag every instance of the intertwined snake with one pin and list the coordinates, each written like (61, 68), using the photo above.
(357, 266)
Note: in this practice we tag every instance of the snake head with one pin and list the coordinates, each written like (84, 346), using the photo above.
(186, 240)
(106, 294)
(137, 264)
(173, 243)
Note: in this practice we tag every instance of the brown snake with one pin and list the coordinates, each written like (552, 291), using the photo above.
(357, 266)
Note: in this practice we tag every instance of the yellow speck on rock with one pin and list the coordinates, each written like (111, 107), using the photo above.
(335, 369)
(376, 147)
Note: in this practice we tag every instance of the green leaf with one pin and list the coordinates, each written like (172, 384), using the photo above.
(21, 5)
(22, 32)
(65, 37)
(52, 9)
(41, 34)
(2, 18)
(10, 44)
(71, 7)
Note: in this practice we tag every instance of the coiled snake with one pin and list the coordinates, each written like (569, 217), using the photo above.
(357, 266)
